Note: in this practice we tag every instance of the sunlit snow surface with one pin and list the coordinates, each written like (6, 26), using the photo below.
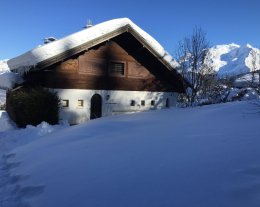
(198, 157)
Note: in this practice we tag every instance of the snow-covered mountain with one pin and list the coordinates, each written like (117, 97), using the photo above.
(233, 59)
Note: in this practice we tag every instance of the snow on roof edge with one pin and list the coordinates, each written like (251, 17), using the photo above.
(31, 58)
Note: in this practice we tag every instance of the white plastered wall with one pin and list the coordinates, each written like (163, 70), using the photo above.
(113, 102)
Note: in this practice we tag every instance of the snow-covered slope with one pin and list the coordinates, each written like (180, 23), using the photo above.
(197, 157)
(233, 59)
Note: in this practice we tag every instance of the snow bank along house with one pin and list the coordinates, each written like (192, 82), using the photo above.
(110, 68)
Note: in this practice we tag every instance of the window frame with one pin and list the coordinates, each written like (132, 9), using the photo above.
(65, 103)
(111, 62)
(80, 103)
(132, 103)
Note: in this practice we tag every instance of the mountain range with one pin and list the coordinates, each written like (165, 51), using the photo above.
(233, 59)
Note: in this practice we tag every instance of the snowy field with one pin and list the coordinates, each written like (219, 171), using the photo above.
(194, 157)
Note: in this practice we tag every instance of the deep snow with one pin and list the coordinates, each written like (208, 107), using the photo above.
(198, 157)
(10, 138)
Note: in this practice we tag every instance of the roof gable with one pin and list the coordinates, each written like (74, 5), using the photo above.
(50, 53)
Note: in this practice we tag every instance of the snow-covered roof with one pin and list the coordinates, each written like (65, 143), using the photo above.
(7, 78)
(42, 53)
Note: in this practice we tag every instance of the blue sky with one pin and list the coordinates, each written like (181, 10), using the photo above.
(24, 23)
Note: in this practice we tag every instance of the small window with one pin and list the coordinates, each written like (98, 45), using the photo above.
(132, 103)
(152, 102)
(80, 103)
(142, 102)
(65, 103)
(117, 68)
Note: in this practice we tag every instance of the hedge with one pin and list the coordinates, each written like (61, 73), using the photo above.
(32, 106)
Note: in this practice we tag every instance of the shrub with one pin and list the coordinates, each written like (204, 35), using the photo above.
(32, 106)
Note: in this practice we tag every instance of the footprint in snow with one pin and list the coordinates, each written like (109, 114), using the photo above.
(253, 171)
(11, 165)
(248, 189)
(28, 191)
(17, 178)
(7, 156)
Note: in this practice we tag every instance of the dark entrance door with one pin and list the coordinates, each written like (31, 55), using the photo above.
(96, 106)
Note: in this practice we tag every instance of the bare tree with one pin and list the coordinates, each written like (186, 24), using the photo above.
(191, 54)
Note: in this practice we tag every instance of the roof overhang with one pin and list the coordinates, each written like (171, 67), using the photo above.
(51, 53)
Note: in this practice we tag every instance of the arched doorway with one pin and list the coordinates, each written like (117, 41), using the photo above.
(96, 106)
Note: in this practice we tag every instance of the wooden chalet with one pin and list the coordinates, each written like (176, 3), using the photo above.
(121, 69)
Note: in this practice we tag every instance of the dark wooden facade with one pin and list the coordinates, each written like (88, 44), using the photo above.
(92, 69)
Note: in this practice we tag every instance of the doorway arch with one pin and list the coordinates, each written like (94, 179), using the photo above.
(95, 106)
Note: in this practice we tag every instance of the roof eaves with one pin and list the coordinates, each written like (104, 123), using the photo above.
(148, 47)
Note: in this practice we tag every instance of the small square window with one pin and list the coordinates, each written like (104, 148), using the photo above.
(132, 103)
(80, 103)
(65, 103)
(117, 68)
(152, 102)
(142, 102)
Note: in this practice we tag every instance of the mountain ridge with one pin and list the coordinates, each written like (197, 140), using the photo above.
(233, 59)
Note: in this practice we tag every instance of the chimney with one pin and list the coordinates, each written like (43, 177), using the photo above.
(89, 24)
(49, 39)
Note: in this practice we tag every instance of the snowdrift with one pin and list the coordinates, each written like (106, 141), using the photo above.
(204, 156)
